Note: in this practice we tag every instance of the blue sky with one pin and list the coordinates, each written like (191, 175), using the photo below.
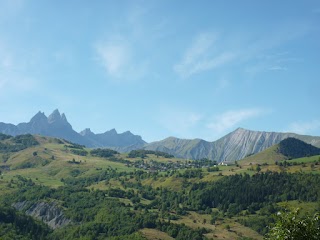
(190, 69)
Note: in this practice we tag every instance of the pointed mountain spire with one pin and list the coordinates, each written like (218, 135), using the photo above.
(54, 116)
(112, 131)
(86, 132)
(39, 117)
(63, 117)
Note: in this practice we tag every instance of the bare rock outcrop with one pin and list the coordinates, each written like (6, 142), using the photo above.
(48, 212)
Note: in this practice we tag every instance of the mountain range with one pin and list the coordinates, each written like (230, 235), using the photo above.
(233, 146)
(57, 125)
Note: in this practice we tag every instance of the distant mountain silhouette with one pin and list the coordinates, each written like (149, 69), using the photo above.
(57, 125)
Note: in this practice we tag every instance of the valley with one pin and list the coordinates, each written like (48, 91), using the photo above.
(153, 192)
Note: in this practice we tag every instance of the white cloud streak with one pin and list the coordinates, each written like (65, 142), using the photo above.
(199, 56)
(230, 119)
(117, 58)
(114, 57)
(304, 127)
(210, 51)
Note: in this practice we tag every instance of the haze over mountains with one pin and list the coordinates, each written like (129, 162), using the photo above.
(234, 146)
(57, 125)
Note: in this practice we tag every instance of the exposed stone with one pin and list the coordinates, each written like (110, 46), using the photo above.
(48, 212)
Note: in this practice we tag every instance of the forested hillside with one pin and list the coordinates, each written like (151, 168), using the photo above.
(295, 148)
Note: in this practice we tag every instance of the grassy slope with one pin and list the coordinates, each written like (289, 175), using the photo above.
(52, 173)
(154, 234)
(269, 156)
(218, 231)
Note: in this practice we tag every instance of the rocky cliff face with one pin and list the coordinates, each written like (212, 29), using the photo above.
(234, 146)
(49, 213)
(242, 143)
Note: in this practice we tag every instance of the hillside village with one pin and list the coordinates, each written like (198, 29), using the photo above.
(155, 166)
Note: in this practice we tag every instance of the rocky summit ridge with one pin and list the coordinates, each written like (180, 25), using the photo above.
(233, 146)
(57, 125)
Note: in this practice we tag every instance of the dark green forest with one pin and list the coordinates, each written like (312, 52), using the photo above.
(295, 148)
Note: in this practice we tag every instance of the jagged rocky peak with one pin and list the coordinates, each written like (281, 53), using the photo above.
(55, 116)
(39, 117)
(127, 133)
(241, 131)
(86, 132)
(112, 131)
(63, 117)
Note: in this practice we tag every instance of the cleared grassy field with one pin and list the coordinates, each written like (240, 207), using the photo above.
(306, 159)
(305, 207)
(225, 229)
(154, 234)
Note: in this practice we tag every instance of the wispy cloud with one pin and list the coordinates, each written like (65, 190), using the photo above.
(212, 51)
(272, 62)
(260, 56)
(117, 59)
(114, 57)
(304, 127)
(230, 119)
(201, 56)
(118, 52)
